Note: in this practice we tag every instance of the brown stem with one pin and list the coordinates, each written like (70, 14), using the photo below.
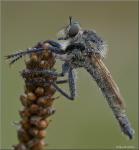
(37, 103)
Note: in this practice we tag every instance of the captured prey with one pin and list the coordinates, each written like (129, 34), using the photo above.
(78, 47)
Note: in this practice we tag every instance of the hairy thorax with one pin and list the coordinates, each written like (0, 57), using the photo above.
(77, 58)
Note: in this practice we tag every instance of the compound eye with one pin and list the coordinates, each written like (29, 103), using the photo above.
(73, 31)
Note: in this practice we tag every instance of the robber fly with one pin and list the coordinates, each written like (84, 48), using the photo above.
(83, 48)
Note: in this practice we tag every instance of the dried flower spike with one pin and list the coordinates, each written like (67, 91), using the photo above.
(37, 101)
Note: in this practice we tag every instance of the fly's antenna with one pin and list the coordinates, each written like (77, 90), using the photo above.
(70, 18)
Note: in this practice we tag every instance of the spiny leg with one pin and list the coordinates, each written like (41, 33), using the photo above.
(24, 52)
(45, 73)
(49, 44)
(61, 81)
(43, 82)
(15, 59)
(55, 50)
(53, 43)
(72, 86)
(65, 68)
(20, 54)
(53, 46)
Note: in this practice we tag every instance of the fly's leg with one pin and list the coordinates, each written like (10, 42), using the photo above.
(72, 86)
(71, 80)
(65, 69)
(43, 82)
(49, 44)
(61, 81)
(20, 54)
(53, 43)
(53, 47)
(46, 72)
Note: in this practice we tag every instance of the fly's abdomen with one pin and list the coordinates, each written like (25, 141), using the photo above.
(97, 69)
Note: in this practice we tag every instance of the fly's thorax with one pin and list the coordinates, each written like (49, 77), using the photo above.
(94, 43)
(77, 58)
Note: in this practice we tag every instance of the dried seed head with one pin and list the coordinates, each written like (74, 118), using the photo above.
(41, 134)
(46, 54)
(31, 96)
(23, 98)
(49, 102)
(33, 131)
(39, 91)
(40, 145)
(23, 135)
(36, 100)
(43, 112)
(46, 112)
(28, 64)
(20, 146)
(41, 101)
(24, 113)
(52, 62)
(34, 108)
(51, 90)
(34, 120)
(42, 124)
(46, 46)
(25, 124)
(36, 144)
(44, 101)
(34, 57)
(44, 64)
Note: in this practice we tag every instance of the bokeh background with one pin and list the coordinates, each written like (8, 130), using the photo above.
(87, 122)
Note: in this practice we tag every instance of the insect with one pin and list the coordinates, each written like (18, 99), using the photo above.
(82, 48)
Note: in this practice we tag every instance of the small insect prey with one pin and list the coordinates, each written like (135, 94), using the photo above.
(83, 48)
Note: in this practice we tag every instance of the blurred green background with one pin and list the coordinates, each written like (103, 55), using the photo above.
(87, 122)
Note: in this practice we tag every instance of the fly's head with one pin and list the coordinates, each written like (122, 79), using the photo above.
(71, 30)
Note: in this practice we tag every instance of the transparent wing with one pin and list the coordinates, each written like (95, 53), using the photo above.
(61, 32)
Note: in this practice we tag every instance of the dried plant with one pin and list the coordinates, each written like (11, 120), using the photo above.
(37, 101)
